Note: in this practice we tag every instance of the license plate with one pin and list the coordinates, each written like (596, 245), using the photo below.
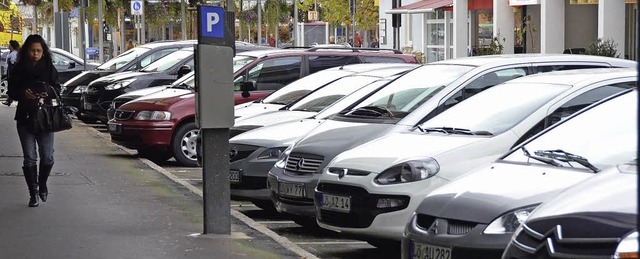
(336, 203)
(88, 106)
(234, 176)
(424, 251)
(114, 128)
(291, 189)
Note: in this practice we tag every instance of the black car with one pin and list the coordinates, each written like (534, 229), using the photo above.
(99, 94)
(593, 219)
(131, 60)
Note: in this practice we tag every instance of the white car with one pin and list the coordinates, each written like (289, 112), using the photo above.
(371, 191)
(299, 88)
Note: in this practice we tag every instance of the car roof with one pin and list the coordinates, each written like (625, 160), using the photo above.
(494, 60)
(576, 76)
(167, 43)
(264, 52)
(368, 67)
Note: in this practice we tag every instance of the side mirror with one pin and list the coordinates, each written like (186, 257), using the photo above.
(246, 88)
(72, 64)
(183, 70)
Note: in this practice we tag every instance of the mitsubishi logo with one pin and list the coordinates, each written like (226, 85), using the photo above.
(434, 227)
(299, 164)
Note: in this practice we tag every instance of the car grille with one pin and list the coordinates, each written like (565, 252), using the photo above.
(119, 102)
(238, 152)
(303, 164)
(458, 227)
(569, 238)
(123, 115)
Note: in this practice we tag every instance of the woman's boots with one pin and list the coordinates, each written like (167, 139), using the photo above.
(45, 171)
(31, 176)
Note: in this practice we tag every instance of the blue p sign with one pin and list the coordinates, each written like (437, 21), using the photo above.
(212, 21)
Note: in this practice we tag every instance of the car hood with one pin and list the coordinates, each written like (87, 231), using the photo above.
(610, 191)
(273, 117)
(143, 91)
(277, 135)
(253, 108)
(105, 80)
(497, 189)
(371, 157)
(86, 77)
(160, 100)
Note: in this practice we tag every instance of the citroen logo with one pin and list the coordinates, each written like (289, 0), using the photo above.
(299, 164)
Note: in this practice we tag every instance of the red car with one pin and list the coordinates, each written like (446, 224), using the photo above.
(162, 125)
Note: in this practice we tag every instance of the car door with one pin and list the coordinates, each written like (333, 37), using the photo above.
(67, 67)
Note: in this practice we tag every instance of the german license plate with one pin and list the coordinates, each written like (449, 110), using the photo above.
(424, 251)
(291, 189)
(114, 128)
(234, 176)
(335, 203)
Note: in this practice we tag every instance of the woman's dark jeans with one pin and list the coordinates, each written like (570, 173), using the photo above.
(34, 144)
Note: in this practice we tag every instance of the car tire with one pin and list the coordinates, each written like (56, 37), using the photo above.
(183, 144)
(154, 155)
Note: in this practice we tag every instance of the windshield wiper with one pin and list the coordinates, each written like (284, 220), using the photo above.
(377, 111)
(541, 159)
(281, 103)
(566, 157)
(181, 86)
(452, 130)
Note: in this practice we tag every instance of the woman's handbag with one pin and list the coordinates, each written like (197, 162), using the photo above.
(51, 117)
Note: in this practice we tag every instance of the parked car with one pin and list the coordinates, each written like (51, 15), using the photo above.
(310, 104)
(101, 92)
(412, 99)
(475, 215)
(266, 71)
(131, 60)
(370, 193)
(595, 218)
(299, 88)
(252, 155)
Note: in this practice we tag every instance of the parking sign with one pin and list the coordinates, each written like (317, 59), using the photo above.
(137, 7)
(212, 21)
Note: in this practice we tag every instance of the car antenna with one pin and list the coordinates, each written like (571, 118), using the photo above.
(345, 63)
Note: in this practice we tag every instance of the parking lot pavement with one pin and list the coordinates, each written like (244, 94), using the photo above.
(308, 241)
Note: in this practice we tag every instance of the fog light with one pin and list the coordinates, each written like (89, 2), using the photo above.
(384, 203)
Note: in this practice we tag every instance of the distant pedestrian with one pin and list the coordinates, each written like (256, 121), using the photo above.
(32, 82)
(272, 40)
(374, 43)
(14, 47)
(357, 40)
(130, 44)
(332, 40)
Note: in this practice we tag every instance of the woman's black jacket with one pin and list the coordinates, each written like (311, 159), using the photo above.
(26, 75)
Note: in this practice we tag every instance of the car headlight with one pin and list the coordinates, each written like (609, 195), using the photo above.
(80, 89)
(628, 247)
(119, 84)
(409, 171)
(272, 153)
(153, 116)
(509, 222)
(282, 160)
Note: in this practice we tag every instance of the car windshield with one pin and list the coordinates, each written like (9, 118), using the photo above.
(497, 109)
(182, 80)
(409, 91)
(605, 135)
(327, 95)
(122, 59)
(168, 61)
(293, 91)
(240, 61)
(350, 99)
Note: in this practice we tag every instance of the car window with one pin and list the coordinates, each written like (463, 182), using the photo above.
(327, 95)
(317, 63)
(482, 83)
(302, 86)
(610, 128)
(156, 56)
(379, 59)
(168, 61)
(575, 104)
(549, 68)
(122, 59)
(274, 73)
(60, 60)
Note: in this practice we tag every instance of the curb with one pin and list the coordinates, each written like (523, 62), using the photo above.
(285, 242)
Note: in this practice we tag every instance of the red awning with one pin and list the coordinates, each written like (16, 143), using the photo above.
(420, 7)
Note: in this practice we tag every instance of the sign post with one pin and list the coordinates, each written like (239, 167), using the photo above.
(214, 112)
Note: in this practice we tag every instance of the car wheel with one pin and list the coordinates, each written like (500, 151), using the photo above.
(4, 87)
(184, 144)
(154, 155)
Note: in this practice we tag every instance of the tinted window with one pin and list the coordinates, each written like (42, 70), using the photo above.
(327, 95)
(123, 59)
(60, 60)
(302, 86)
(378, 59)
(273, 74)
(544, 69)
(317, 63)
(155, 56)
(168, 61)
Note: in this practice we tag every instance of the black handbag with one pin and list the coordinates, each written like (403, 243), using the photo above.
(51, 117)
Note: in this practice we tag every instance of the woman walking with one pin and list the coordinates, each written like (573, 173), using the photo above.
(31, 83)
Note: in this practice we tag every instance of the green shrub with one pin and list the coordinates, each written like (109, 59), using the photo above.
(602, 47)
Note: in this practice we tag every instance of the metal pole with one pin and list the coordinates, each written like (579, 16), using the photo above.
(183, 18)
(353, 23)
(100, 34)
(240, 23)
(295, 23)
(142, 30)
(259, 23)
(84, 40)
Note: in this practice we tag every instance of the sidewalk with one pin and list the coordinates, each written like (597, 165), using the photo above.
(104, 203)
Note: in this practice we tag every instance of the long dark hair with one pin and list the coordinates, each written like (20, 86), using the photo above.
(23, 54)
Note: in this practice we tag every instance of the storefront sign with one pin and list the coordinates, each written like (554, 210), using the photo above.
(523, 2)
